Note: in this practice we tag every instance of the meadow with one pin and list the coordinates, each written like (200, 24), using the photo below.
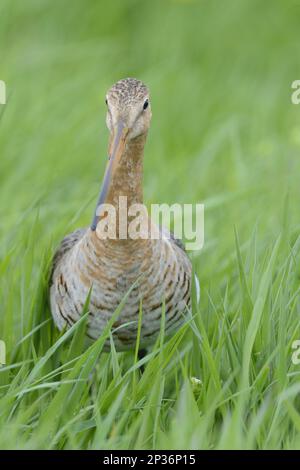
(224, 133)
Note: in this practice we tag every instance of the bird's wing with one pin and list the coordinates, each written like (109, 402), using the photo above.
(170, 236)
(66, 244)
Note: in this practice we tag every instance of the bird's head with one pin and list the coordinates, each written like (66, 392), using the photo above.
(128, 109)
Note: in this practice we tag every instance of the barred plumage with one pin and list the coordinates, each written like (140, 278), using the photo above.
(159, 268)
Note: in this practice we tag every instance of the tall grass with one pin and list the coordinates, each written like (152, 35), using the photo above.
(224, 133)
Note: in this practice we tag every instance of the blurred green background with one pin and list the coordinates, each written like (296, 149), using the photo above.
(220, 76)
(224, 132)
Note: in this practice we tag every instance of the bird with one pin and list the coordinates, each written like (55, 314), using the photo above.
(154, 272)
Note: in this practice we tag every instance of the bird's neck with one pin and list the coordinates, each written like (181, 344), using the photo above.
(127, 179)
(125, 189)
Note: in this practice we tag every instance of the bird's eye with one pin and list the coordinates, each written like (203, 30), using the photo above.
(106, 102)
(145, 106)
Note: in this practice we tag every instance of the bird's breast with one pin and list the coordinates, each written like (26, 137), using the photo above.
(154, 274)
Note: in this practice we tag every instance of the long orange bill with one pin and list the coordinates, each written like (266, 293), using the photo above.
(117, 147)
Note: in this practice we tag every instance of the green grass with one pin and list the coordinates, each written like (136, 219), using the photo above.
(224, 133)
